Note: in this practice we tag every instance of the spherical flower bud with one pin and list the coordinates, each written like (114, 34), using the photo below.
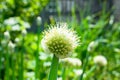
(7, 35)
(17, 41)
(24, 32)
(75, 62)
(100, 60)
(59, 40)
(39, 20)
(11, 46)
(92, 46)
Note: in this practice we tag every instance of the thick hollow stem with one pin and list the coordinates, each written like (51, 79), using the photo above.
(54, 68)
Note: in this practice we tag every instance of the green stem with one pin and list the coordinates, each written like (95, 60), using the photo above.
(84, 66)
(17, 62)
(7, 65)
(0, 64)
(0, 55)
(13, 66)
(21, 61)
(54, 68)
(37, 65)
(37, 54)
(63, 73)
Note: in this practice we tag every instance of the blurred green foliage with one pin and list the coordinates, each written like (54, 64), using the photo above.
(27, 10)
(17, 15)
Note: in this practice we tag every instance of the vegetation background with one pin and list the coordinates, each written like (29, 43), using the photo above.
(21, 55)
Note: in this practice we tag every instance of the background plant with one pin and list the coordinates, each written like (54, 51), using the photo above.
(100, 27)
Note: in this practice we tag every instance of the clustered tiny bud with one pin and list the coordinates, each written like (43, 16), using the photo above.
(60, 40)
(100, 60)
(75, 62)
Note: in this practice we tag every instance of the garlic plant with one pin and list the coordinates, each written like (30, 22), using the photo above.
(60, 41)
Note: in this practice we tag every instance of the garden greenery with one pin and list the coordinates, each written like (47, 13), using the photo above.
(23, 55)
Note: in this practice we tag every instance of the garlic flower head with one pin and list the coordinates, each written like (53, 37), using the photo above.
(60, 40)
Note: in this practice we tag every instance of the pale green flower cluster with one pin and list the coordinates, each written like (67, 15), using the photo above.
(100, 60)
(60, 40)
(74, 62)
